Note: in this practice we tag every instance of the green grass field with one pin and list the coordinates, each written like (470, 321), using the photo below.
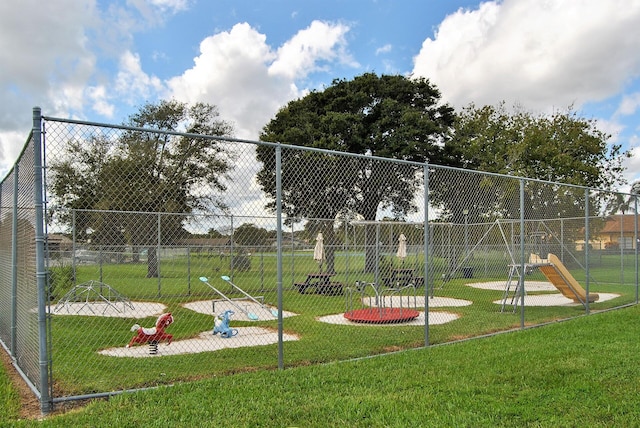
(582, 372)
(78, 368)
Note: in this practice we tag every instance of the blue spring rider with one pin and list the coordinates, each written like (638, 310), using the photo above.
(221, 325)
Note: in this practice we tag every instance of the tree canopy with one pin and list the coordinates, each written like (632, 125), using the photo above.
(250, 235)
(559, 147)
(144, 172)
(383, 116)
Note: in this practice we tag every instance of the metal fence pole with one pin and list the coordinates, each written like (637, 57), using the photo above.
(293, 256)
(158, 246)
(41, 273)
(586, 247)
(279, 254)
(188, 270)
(635, 238)
(622, 244)
(426, 254)
(232, 248)
(522, 255)
(562, 238)
(345, 249)
(14, 263)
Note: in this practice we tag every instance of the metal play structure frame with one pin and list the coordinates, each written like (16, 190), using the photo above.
(91, 292)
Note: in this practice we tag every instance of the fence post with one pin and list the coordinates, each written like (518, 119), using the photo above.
(635, 238)
(14, 262)
(522, 255)
(293, 256)
(41, 273)
(426, 253)
(279, 254)
(158, 247)
(232, 249)
(188, 269)
(586, 247)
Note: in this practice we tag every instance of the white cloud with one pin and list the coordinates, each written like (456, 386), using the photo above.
(629, 104)
(632, 165)
(541, 54)
(249, 81)
(173, 5)
(611, 127)
(240, 73)
(155, 11)
(231, 73)
(44, 61)
(132, 83)
(320, 42)
(11, 144)
(101, 105)
(384, 49)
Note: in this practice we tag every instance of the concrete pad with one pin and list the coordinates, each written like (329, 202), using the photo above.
(204, 342)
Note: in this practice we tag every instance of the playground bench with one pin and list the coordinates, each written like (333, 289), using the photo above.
(331, 289)
(302, 287)
(321, 283)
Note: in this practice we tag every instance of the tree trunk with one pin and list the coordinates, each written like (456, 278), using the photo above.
(330, 249)
(370, 243)
(370, 246)
(152, 263)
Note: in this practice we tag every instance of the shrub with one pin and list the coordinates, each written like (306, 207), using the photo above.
(61, 278)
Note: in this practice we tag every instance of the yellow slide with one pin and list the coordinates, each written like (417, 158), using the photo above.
(562, 279)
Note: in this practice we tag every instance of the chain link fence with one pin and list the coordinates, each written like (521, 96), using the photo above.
(170, 256)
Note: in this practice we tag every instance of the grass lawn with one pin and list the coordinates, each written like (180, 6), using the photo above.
(582, 372)
(9, 397)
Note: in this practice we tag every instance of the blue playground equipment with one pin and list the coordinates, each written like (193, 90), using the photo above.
(221, 325)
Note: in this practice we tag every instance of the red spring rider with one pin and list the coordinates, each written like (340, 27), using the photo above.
(154, 334)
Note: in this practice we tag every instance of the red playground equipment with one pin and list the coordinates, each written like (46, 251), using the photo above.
(377, 307)
(154, 334)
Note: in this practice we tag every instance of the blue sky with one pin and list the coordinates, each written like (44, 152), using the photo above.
(100, 60)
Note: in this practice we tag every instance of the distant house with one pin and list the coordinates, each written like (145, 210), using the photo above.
(618, 232)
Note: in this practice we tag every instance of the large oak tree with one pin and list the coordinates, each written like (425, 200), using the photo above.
(387, 116)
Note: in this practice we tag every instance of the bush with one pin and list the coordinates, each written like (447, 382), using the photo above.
(61, 278)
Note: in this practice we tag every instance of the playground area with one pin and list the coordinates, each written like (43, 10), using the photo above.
(135, 296)
(253, 323)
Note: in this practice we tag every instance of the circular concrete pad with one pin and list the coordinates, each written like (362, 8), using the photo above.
(434, 318)
(555, 299)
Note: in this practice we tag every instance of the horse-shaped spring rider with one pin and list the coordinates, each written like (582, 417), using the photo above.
(153, 335)
(221, 325)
